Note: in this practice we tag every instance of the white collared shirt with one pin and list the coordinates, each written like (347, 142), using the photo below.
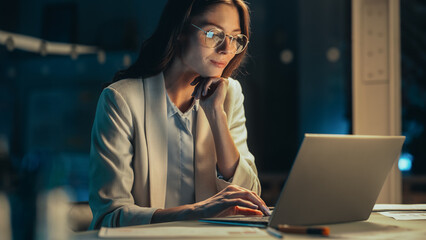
(180, 188)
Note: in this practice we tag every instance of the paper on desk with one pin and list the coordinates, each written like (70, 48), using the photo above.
(399, 207)
(383, 235)
(405, 215)
(181, 232)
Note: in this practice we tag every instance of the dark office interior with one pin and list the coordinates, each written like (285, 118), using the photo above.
(296, 80)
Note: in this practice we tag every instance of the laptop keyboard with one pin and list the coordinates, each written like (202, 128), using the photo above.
(249, 218)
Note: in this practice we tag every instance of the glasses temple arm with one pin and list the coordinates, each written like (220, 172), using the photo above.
(199, 28)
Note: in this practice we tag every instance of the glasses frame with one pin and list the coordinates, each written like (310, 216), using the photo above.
(226, 35)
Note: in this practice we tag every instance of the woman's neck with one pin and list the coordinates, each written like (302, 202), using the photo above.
(177, 80)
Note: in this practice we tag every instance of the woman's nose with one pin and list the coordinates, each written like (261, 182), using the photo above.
(227, 47)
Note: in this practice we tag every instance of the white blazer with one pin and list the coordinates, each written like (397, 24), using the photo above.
(128, 156)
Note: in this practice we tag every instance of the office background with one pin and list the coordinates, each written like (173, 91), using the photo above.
(296, 80)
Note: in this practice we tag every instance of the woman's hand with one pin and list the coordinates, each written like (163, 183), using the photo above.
(233, 200)
(211, 92)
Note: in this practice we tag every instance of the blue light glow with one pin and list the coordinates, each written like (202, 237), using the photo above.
(405, 162)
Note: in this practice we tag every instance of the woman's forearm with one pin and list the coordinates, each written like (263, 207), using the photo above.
(226, 151)
(231, 200)
(180, 213)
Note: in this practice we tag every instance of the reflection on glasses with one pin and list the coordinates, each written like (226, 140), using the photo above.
(215, 37)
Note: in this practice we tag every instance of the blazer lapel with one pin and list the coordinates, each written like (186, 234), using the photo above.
(156, 137)
(205, 159)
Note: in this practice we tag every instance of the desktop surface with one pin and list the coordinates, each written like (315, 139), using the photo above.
(376, 227)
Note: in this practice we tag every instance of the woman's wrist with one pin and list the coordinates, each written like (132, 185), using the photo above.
(215, 115)
(181, 213)
(227, 153)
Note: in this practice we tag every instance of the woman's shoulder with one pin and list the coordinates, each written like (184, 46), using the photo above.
(128, 90)
(234, 96)
(126, 85)
(234, 86)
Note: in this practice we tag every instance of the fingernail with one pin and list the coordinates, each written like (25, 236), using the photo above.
(265, 210)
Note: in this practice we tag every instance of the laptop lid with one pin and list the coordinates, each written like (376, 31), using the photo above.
(336, 178)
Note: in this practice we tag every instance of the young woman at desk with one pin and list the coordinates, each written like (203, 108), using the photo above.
(169, 136)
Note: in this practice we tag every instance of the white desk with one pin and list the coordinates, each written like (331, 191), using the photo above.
(376, 227)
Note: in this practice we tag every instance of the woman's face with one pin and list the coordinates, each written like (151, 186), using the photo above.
(205, 61)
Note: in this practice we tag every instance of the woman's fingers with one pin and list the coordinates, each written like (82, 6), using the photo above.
(232, 200)
(240, 202)
(198, 88)
(208, 84)
(246, 211)
(203, 85)
(213, 84)
(194, 93)
(199, 91)
(217, 205)
(248, 196)
(241, 190)
(237, 210)
(255, 195)
(196, 81)
(251, 192)
(234, 191)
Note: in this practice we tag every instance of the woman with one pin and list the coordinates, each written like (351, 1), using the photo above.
(169, 137)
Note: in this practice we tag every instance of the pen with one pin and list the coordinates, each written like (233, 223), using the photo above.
(324, 231)
(274, 232)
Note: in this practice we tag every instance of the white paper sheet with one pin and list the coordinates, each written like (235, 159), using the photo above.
(405, 215)
(399, 207)
(182, 232)
(393, 235)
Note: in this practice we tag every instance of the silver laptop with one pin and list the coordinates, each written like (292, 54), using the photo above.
(334, 179)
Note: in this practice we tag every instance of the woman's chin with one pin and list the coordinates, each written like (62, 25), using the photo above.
(207, 74)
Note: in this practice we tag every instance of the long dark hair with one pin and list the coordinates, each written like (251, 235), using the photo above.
(158, 51)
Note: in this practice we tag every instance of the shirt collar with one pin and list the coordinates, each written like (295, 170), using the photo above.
(172, 109)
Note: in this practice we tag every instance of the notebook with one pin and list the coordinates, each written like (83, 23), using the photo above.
(334, 179)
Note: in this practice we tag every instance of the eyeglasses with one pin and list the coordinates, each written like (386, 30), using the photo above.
(215, 37)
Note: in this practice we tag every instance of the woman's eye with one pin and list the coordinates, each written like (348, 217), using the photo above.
(217, 36)
(210, 34)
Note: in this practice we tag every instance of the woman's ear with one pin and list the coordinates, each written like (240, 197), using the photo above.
(182, 42)
(181, 38)
(180, 45)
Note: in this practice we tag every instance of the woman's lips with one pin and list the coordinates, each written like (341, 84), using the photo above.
(218, 64)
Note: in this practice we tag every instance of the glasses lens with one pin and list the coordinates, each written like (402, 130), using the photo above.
(214, 37)
(241, 43)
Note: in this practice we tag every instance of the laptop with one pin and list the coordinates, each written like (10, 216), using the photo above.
(334, 179)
